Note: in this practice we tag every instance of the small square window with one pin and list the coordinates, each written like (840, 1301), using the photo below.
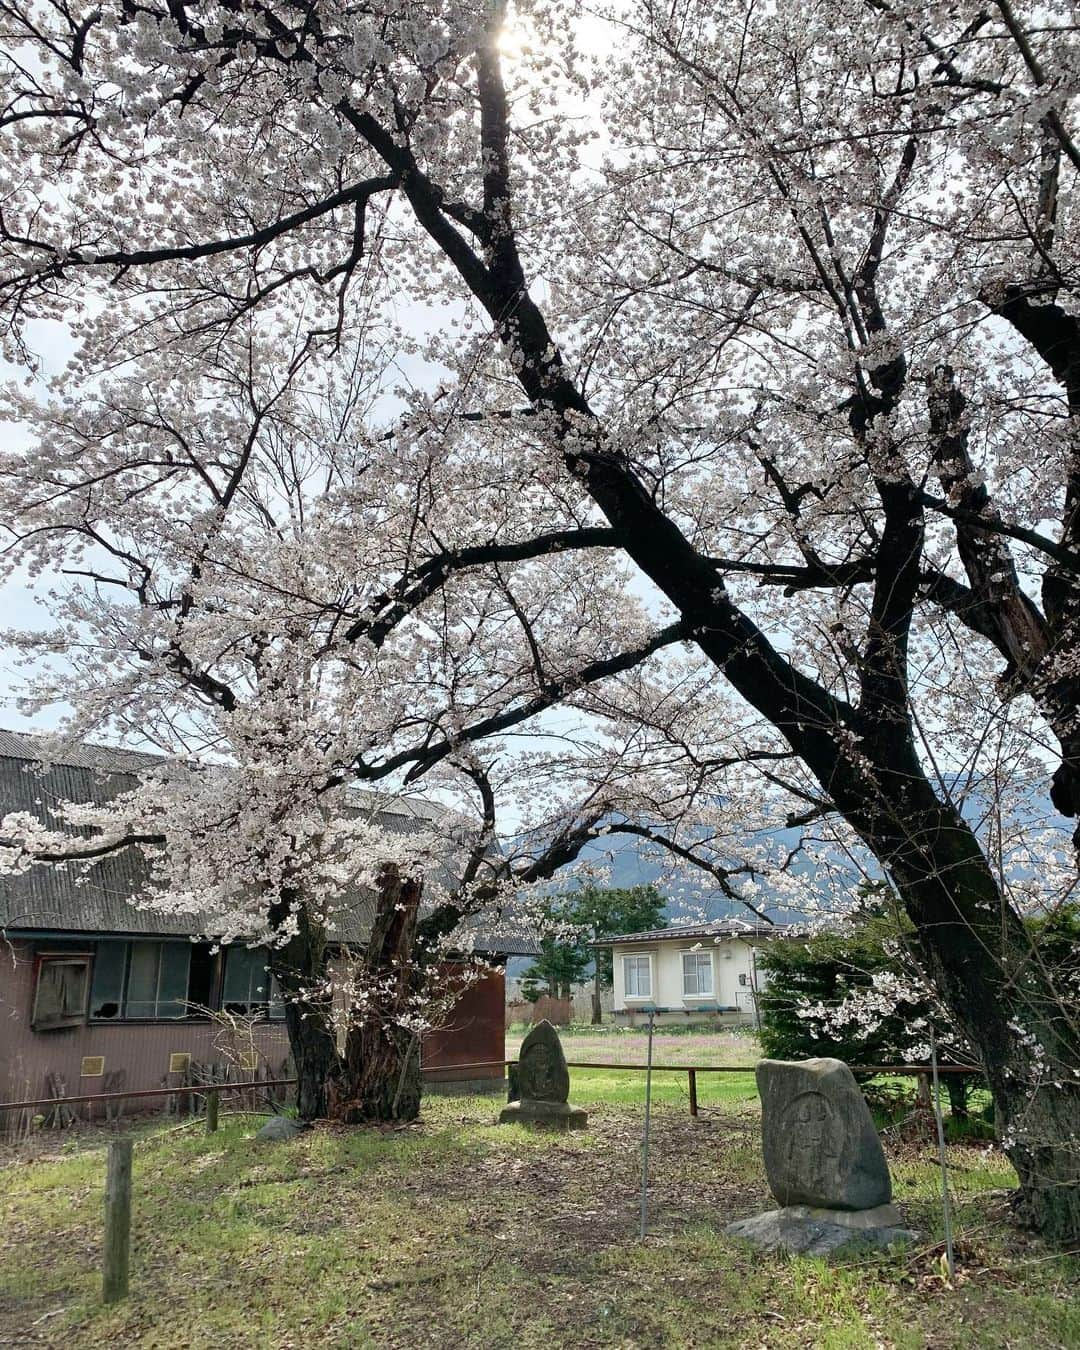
(60, 996)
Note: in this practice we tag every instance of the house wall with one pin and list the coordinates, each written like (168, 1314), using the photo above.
(730, 959)
(473, 1033)
(142, 1050)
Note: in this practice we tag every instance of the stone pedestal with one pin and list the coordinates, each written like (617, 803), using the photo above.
(543, 1081)
(812, 1231)
(824, 1162)
(544, 1115)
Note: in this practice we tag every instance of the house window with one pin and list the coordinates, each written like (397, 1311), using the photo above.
(637, 976)
(60, 993)
(158, 979)
(697, 974)
(142, 980)
(249, 987)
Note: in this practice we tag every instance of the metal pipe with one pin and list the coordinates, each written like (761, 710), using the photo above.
(645, 1136)
(946, 1207)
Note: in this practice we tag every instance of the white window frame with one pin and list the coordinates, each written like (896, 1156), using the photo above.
(698, 953)
(639, 998)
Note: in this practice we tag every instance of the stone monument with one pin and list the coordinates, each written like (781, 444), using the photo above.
(824, 1162)
(544, 1084)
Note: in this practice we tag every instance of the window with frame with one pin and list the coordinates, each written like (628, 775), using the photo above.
(60, 993)
(249, 987)
(147, 981)
(637, 977)
(697, 974)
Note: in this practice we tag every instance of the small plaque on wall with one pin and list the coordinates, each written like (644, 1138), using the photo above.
(93, 1066)
(180, 1061)
(249, 1059)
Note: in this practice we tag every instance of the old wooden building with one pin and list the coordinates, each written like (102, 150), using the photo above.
(97, 994)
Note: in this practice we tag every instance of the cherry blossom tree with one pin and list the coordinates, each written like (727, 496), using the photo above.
(775, 308)
(249, 592)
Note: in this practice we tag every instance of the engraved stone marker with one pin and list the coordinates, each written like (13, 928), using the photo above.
(820, 1145)
(544, 1084)
(824, 1162)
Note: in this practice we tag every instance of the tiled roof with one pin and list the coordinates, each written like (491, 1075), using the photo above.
(696, 932)
(95, 898)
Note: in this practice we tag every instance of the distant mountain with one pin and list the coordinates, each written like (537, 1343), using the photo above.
(625, 857)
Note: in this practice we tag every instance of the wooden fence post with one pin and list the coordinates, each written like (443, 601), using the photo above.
(211, 1110)
(692, 1074)
(114, 1284)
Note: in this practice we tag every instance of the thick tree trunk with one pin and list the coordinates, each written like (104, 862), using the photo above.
(1037, 1126)
(299, 967)
(979, 957)
(378, 1077)
(315, 1056)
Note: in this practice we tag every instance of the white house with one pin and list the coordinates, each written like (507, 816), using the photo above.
(704, 972)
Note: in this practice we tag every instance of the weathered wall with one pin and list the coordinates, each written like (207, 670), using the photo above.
(473, 1033)
(142, 1050)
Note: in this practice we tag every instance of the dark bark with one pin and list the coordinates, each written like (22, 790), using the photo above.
(1055, 335)
(379, 1074)
(300, 966)
(980, 959)
(959, 1091)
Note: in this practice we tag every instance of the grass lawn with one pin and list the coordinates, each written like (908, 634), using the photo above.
(456, 1232)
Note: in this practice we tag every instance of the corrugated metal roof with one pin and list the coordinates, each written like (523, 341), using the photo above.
(97, 898)
(77, 755)
(696, 932)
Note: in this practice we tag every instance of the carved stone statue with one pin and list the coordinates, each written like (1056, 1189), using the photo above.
(544, 1084)
(824, 1162)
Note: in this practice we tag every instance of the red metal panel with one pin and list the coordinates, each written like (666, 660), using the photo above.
(473, 1033)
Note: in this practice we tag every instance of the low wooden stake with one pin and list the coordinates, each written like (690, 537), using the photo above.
(211, 1111)
(114, 1284)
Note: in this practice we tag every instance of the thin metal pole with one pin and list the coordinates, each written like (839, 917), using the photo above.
(645, 1136)
(946, 1207)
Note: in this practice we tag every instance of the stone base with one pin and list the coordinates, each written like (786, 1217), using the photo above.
(544, 1115)
(821, 1232)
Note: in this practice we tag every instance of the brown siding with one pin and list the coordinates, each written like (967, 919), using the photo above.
(472, 1034)
(141, 1050)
